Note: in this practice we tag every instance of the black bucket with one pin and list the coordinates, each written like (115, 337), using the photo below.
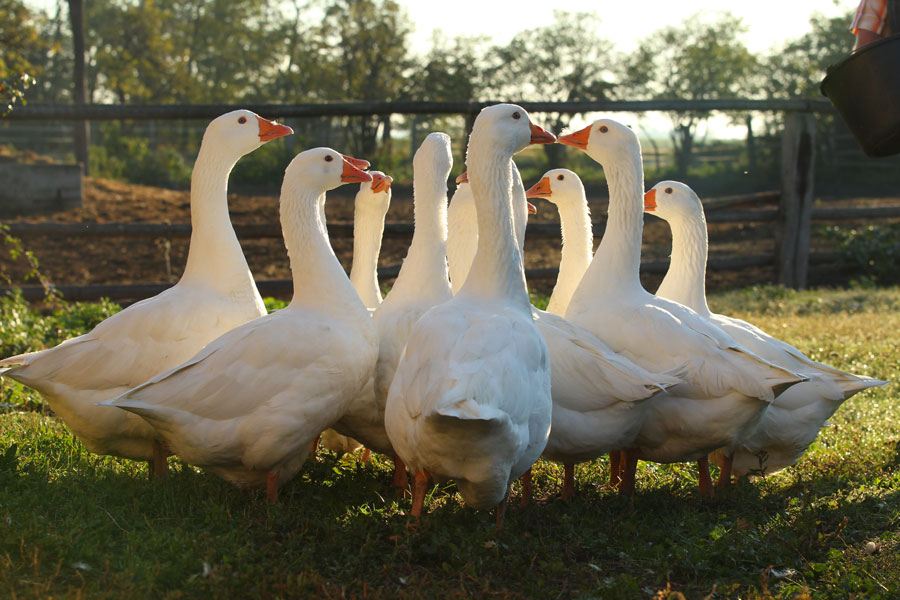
(865, 90)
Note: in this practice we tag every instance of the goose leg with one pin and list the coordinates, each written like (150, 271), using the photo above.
(159, 464)
(568, 481)
(704, 480)
(420, 485)
(725, 472)
(401, 481)
(314, 448)
(615, 468)
(272, 486)
(526, 488)
(501, 512)
(630, 460)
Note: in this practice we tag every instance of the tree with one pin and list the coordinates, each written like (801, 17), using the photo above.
(565, 61)
(695, 60)
(20, 39)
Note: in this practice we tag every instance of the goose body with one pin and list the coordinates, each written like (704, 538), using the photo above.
(794, 419)
(248, 406)
(215, 294)
(470, 399)
(726, 388)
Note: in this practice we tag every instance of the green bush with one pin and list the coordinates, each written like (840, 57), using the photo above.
(873, 249)
(131, 159)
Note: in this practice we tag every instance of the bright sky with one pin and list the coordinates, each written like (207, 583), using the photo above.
(769, 21)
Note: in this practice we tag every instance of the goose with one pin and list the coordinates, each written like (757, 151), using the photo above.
(563, 188)
(248, 405)
(462, 229)
(726, 388)
(369, 209)
(470, 398)
(598, 396)
(794, 419)
(215, 294)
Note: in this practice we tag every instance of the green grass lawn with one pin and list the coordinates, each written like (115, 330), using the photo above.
(77, 525)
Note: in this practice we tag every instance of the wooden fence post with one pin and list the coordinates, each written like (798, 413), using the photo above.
(792, 234)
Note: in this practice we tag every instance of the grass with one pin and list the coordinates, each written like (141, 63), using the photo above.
(76, 525)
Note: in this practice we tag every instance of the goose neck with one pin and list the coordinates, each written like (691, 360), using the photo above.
(214, 255)
(319, 280)
(685, 281)
(368, 228)
(577, 251)
(617, 261)
(497, 269)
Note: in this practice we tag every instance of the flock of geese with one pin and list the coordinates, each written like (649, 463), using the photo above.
(453, 374)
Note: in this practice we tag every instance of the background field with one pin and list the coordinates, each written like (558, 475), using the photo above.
(77, 525)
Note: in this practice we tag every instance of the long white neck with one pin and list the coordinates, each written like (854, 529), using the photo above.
(617, 262)
(368, 228)
(685, 281)
(424, 272)
(320, 282)
(497, 270)
(577, 251)
(214, 257)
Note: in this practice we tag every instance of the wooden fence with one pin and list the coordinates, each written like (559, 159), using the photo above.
(793, 216)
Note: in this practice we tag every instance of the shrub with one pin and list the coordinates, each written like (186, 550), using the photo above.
(873, 249)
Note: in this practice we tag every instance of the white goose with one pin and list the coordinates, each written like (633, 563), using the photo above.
(470, 399)
(794, 419)
(215, 294)
(369, 209)
(248, 406)
(726, 388)
(598, 395)
(462, 228)
(563, 188)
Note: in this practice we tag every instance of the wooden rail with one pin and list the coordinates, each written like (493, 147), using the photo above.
(405, 230)
(283, 288)
(107, 112)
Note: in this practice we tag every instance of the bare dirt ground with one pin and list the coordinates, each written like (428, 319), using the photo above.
(146, 260)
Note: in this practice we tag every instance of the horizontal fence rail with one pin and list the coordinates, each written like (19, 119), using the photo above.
(106, 112)
(285, 287)
(405, 230)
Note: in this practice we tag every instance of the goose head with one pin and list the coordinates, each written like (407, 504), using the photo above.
(509, 128)
(434, 156)
(377, 192)
(673, 200)
(604, 140)
(562, 187)
(242, 131)
(323, 169)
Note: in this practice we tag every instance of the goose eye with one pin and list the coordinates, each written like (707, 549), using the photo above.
(560, 177)
(604, 129)
(516, 115)
(668, 190)
(329, 158)
(242, 120)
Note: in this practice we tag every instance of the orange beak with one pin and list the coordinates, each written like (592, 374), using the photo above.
(540, 190)
(463, 177)
(381, 183)
(269, 130)
(540, 136)
(351, 174)
(650, 201)
(359, 163)
(532, 209)
(579, 139)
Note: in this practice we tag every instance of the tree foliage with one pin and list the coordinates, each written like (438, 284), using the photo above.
(21, 44)
(695, 60)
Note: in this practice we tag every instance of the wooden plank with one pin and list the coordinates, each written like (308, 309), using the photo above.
(792, 236)
(106, 112)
